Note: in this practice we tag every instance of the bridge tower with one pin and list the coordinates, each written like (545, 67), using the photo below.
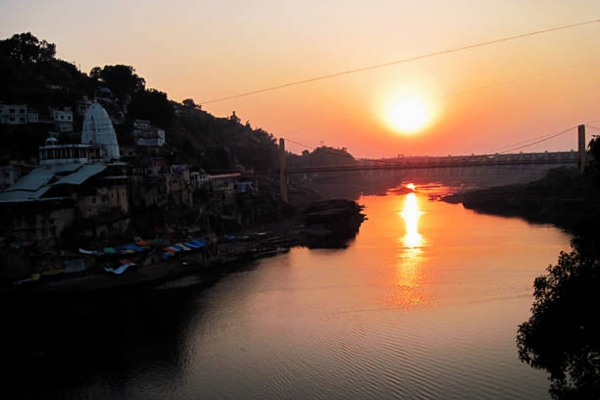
(282, 180)
(582, 145)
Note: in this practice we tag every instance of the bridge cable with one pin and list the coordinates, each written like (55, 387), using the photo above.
(551, 136)
(467, 91)
(593, 127)
(300, 144)
(404, 60)
(510, 146)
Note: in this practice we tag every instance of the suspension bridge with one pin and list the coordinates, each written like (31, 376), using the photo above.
(504, 161)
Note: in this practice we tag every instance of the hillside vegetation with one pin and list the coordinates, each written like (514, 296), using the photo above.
(31, 74)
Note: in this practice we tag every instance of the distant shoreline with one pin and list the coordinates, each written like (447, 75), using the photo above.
(561, 199)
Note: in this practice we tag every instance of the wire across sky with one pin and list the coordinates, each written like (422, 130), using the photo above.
(404, 60)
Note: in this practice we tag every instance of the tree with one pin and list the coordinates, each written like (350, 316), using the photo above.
(234, 118)
(594, 148)
(190, 105)
(152, 105)
(563, 336)
(26, 48)
(120, 79)
(594, 152)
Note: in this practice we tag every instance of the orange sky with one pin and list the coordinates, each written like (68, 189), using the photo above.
(481, 100)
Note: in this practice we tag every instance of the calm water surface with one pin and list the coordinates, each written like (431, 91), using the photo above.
(424, 304)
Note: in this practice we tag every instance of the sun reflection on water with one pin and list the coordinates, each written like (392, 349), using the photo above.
(411, 214)
(409, 266)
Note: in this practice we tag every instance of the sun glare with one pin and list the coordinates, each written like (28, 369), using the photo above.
(409, 115)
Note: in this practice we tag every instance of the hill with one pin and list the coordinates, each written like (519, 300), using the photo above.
(30, 74)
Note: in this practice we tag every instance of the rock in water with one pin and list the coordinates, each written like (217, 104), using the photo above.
(331, 223)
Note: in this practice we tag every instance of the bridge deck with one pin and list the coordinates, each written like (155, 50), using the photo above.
(407, 163)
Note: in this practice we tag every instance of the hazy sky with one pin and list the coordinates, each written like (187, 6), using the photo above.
(480, 100)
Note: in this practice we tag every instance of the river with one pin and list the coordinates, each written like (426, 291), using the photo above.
(423, 304)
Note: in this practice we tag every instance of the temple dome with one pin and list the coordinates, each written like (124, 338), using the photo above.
(98, 129)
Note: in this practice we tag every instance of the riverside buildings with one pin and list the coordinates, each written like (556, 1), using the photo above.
(88, 189)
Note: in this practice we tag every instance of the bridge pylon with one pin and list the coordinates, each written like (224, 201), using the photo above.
(282, 178)
(581, 147)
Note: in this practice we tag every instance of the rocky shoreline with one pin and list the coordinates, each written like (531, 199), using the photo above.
(561, 198)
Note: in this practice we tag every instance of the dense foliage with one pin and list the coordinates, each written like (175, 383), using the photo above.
(120, 79)
(562, 336)
(321, 156)
(25, 48)
(30, 74)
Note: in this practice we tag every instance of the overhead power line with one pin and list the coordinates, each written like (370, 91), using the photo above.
(404, 60)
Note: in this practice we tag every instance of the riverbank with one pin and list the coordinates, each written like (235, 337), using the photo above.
(329, 223)
(562, 198)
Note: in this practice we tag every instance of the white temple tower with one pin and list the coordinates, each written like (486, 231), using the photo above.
(98, 129)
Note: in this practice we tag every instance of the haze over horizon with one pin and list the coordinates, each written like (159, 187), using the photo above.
(406, 91)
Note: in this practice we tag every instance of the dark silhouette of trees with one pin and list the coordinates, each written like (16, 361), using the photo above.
(152, 105)
(30, 74)
(190, 105)
(234, 118)
(594, 149)
(594, 166)
(321, 157)
(120, 79)
(26, 48)
(562, 336)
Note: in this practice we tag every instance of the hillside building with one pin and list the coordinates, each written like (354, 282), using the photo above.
(145, 134)
(13, 114)
(73, 182)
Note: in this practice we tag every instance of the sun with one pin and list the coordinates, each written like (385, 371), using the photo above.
(409, 115)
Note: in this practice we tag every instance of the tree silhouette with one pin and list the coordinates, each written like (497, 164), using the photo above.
(26, 48)
(152, 105)
(562, 336)
(190, 105)
(120, 79)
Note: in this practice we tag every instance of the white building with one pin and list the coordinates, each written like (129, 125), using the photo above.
(63, 119)
(223, 182)
(98, 129)
(146, 135)
(199, 179)
(33, 117)
(98, 142)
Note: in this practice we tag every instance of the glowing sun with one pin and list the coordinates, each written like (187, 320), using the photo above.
(409, 115)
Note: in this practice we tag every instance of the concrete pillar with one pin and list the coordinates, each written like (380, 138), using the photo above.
(582, 146)
(282, 181)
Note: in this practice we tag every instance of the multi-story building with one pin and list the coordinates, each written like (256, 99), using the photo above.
(146, 135)
(73, 182)
(33, 116)
(13, 114)
(63, 119)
